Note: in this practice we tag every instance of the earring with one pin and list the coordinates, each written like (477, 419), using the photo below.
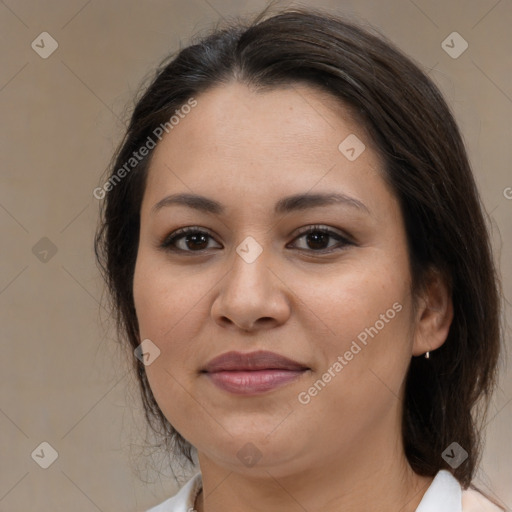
(427, 355)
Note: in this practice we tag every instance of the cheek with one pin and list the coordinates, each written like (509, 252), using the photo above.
(355, 297)
(365, 350)
(363, 316)
(171, 309)
(165, 301)
(158, 309)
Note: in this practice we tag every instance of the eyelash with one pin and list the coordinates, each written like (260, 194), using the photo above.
(170, 240)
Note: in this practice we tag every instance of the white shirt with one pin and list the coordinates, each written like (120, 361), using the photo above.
(443, 495)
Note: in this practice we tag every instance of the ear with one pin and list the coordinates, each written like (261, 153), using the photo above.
(434, 315)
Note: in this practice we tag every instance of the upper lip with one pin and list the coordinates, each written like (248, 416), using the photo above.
(260, 360)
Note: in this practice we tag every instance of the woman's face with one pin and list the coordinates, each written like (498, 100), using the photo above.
(339, 304)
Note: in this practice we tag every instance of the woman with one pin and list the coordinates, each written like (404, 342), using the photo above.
(297, 254)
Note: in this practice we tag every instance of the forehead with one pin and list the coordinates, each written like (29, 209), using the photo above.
(234, 117)
(250, 144)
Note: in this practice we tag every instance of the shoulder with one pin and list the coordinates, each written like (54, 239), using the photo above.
(184, 499)
(474, 501)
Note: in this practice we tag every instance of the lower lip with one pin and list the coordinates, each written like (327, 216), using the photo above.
(253, 382)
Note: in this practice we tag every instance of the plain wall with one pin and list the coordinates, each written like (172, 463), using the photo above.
(63, 377)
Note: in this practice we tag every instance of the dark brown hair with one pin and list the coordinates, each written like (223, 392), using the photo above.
(425, 163)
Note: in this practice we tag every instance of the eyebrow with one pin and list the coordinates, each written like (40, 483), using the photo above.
(296, 202)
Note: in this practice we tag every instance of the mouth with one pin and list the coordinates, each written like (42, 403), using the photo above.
(252, 373)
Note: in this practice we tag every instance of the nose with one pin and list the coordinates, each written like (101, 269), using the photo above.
(251, 296)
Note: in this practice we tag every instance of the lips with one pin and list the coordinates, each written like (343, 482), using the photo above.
(252, 373)
(252, 361)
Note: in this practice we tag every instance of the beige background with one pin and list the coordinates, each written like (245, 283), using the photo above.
(63, 378)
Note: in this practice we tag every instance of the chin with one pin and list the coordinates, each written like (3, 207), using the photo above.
(255, 451)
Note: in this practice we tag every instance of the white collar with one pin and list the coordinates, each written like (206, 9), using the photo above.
(443, 495)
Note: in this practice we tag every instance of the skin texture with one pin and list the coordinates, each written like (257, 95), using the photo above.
(342, 450)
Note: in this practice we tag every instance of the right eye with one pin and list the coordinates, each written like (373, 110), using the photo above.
(192, 239)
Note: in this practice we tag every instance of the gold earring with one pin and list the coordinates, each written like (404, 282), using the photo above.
(427, 355)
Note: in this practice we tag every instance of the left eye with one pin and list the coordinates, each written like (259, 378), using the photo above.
(318, 236)
(196, 240)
